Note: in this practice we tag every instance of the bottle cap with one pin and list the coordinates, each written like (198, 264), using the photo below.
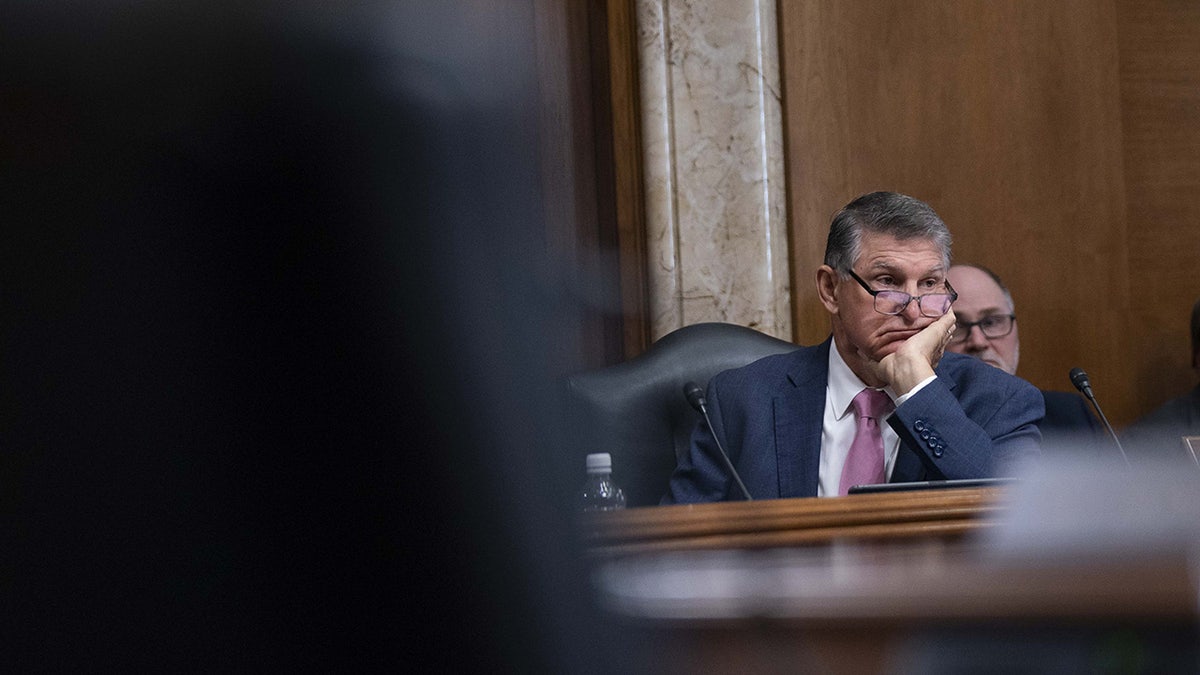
(599, 462)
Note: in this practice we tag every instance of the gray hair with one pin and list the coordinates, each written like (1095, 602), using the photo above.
(890, 213)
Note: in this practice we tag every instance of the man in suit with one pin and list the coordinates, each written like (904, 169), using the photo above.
(796, 425)
(987, 329)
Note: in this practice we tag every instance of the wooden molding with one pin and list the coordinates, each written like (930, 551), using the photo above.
(785, 522)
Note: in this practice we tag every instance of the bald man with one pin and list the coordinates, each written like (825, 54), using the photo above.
(987, 330)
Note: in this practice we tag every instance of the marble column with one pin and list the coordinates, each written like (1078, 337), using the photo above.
(713, 160)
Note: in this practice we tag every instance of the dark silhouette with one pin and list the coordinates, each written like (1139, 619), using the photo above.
(277, 355)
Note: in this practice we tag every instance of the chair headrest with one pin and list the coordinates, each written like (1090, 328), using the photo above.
(637, 412)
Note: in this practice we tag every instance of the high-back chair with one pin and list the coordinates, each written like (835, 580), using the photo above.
(637, 412)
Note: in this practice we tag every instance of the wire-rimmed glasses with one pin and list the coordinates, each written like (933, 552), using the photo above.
(932, 305)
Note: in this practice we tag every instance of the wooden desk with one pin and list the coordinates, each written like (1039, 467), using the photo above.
(944, 514)
(876, 584)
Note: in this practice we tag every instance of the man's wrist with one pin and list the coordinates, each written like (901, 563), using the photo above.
(899, 400)
(908, 376)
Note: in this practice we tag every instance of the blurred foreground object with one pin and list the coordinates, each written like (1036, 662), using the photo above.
(1079, 566)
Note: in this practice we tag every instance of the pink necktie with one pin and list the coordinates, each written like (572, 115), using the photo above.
(864, 464)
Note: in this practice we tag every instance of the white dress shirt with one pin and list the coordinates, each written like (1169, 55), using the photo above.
(839, 426)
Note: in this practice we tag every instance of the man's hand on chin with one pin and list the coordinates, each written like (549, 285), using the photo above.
(916, 358)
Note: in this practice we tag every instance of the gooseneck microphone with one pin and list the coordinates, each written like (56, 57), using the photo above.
(1081, 382)
(695, 396)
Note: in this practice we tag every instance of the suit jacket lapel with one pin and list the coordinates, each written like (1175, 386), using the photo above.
(798, 419)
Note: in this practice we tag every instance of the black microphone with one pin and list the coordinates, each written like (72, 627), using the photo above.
(695, 396)
(1081, 382)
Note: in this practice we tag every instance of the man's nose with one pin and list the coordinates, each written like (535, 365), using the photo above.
(912, 311)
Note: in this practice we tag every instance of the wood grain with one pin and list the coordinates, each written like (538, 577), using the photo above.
(1160, 105)
(622, 34)
(788, 522)
(1007, 117)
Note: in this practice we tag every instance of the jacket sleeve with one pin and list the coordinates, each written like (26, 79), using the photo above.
(979, 435)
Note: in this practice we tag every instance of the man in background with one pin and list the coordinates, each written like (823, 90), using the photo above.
(1160, 432)
(987, 330)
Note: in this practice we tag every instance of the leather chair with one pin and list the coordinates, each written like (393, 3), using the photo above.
(637, 412)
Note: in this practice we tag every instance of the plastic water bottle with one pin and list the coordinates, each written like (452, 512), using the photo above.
(600, 493)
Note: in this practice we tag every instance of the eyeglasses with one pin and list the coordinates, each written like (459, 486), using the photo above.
(932, 305)
(994, 326)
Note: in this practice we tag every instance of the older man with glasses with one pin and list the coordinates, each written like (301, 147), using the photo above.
(987, 330)
(879, 401)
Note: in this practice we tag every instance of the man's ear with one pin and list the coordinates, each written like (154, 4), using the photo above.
(827, 283)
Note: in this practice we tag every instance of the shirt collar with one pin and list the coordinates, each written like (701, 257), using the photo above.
(844, 385)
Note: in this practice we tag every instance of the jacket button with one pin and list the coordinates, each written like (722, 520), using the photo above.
(937, 451)
(919, 425)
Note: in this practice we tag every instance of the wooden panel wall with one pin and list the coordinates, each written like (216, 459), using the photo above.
(1007, 117)
(1160, 106)
(590, 154)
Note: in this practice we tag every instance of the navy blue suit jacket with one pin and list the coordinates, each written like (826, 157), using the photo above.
(968, 423)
